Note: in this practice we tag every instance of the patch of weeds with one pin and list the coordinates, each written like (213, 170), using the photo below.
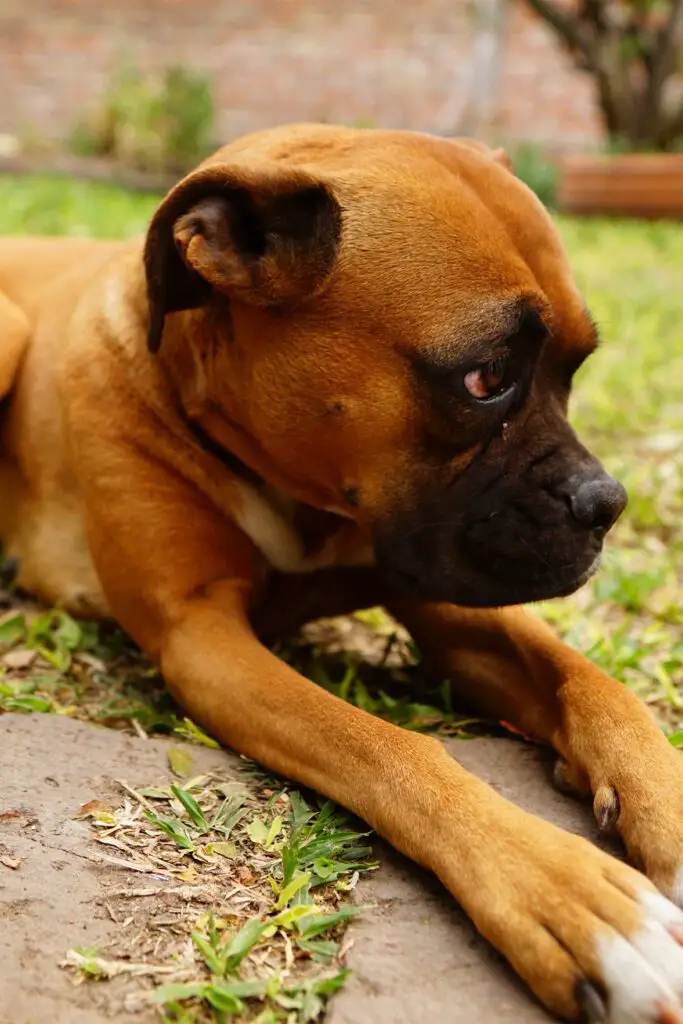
(54, 205)
(533, 166)
(51, 663)
(276, 870)
(628, 407)
(161, 121)
(369, 661)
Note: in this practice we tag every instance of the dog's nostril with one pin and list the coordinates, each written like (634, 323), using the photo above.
(597, 503)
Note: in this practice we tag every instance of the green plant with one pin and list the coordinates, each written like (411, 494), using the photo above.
(533, 166)
(151, 122)
(301, 860)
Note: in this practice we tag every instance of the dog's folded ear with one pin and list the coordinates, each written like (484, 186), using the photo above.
(267, 236)
(499, 155)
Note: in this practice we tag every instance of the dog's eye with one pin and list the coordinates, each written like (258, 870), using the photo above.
(490, 380)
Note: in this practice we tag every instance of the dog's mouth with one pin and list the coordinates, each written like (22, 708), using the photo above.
(454, 577)
(501, 538)
(471, 592)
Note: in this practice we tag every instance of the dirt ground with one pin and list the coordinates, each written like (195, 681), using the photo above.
(413, 958)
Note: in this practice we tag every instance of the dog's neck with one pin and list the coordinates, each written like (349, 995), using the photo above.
(293, 536)
(277, 513)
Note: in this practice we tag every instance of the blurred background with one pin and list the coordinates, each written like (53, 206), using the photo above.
(106, 102)
(446, 66)
(152, 85)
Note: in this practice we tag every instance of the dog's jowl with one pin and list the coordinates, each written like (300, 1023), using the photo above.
(335, 373)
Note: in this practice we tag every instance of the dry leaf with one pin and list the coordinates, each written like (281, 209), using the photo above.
(224, 849)
(95, 809)
(180, 762)
(189, 875)
(19, 659)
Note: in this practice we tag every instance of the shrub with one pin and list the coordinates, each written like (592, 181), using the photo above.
(151, 122)
(533, 166)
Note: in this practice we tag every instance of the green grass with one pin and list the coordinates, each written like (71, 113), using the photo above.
(61, 206)
(628, 407)
(295, 860)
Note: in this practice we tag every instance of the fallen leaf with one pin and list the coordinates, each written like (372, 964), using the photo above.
(19, 659)
(180, 762)
(224, 849)
(96, 664)
(189, 875)
(94, 809)
(257, 831)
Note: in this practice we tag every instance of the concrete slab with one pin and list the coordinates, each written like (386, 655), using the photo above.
(415, 958)
(49, 767)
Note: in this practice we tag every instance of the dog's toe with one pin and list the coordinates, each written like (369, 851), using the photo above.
(642, 972)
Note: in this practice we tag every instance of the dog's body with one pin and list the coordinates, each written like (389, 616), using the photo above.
(337, 376)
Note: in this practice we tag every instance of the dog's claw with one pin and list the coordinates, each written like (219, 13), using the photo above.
(591, 1003)
(560, 780)
(606, 808)
(568, 779)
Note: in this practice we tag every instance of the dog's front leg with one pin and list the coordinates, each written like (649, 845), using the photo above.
(569, 918)
(559, 909)
(513, 668)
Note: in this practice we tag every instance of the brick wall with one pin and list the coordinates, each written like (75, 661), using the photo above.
(397, 64)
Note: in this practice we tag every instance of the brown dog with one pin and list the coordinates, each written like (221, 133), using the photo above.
(337, 376)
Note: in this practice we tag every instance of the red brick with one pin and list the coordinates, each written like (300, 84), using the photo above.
(272, 61)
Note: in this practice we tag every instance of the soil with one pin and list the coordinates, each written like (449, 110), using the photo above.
(414, 958)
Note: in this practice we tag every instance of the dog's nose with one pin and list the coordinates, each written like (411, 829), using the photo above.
(597, 501)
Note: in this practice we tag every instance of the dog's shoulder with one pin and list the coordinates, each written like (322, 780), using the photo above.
(15, 331)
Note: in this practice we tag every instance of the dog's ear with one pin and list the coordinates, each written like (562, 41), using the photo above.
(500, 156)
(266, 235)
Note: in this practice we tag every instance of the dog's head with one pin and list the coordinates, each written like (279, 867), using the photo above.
(387, 327)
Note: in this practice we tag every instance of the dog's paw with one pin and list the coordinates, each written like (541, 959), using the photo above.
(591, 936)
(645, 806)
(651, 826)
(643, 971)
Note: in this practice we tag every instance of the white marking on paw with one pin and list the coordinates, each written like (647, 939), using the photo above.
(660, 908)
(658, 947)
(644, 973)
(677, 888)
(634, 988)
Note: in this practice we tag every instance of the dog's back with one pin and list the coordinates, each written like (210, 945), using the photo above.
(29, 268)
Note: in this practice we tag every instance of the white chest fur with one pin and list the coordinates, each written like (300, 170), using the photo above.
(268, 519)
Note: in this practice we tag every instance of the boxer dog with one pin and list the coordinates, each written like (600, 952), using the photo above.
(335, 374)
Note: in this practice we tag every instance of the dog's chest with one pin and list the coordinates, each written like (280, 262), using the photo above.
(295, 538)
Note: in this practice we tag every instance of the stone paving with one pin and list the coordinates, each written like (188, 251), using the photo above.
(415, 958)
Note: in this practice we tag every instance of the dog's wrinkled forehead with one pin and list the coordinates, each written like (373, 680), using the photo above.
(438, 257)
(404, 236)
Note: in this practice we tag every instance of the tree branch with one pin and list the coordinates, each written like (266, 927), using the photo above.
(662, 63)
(566, 26)
(667, 47)
(671, 130)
